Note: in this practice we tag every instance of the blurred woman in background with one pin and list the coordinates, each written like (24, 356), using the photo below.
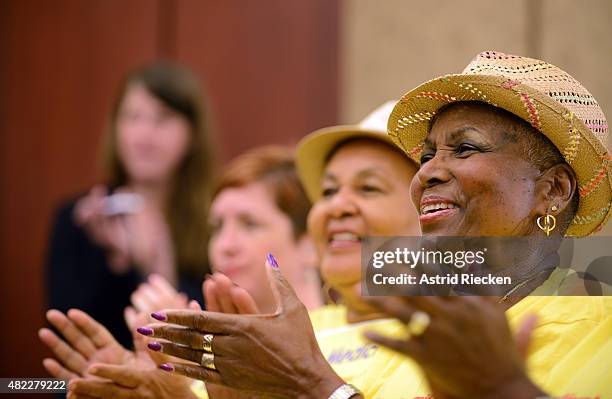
(151, 216)
(259, 205)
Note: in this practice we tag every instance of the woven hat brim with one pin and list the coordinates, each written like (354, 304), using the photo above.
(313, 152)
(409, 124)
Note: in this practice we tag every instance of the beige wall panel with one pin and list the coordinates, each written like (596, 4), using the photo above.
(577, 37)
(388, 47)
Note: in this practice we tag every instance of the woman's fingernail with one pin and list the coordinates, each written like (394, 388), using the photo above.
(272, 261)
(145, 330)
(159, 316)
(154, 346)
(166, 367)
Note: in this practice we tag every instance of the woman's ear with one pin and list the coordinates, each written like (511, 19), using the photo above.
(556, 187)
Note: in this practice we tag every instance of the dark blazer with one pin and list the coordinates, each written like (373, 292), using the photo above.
(78, 276)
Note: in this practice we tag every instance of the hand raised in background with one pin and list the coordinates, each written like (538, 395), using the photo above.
(118, 373)
(132, 232)
(107, 231)
(157, 293)
(84, 342)
(222, 295)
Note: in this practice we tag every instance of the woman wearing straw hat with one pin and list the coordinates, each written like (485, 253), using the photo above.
(277, 355)
(541, 137)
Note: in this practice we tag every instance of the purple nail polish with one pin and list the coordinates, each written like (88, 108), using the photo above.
(154, 346)
(166, 367)
(272, 261)
(145, 331)
(159, 316)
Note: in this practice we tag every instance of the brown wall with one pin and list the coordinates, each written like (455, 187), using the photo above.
(270, 69)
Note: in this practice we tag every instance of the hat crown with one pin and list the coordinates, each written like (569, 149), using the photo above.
(547, 79)
(377, 119)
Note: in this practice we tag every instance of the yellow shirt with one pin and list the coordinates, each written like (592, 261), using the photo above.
(570, 353)
(571, 348)
(377, 372)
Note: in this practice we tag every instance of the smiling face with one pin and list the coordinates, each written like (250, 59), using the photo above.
(475, 177)
(365, 192)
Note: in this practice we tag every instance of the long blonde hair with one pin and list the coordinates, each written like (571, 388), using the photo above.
(187, 209)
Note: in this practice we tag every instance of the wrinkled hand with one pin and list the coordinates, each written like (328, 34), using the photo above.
(222, 295)
(127, 382)
(467, 350)
(85, 342)
(274, 354)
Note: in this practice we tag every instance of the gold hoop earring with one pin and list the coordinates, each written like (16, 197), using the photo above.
(548, 222)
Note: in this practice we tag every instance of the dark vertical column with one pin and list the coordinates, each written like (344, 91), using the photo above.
(61, 63)
(271, 68)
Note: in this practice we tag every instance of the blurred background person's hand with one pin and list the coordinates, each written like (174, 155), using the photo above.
(84, 342)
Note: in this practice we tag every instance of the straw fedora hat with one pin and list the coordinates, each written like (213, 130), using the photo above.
(313, 150)
(542, 94)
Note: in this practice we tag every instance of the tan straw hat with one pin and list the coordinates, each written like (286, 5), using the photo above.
(314, 149)
(547, 97)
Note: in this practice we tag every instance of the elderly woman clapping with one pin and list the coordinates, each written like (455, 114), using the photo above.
(519, 139)
(518, 148)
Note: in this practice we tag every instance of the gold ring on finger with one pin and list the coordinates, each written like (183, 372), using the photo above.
(208, 361)
(206, 344)
(419, 321)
